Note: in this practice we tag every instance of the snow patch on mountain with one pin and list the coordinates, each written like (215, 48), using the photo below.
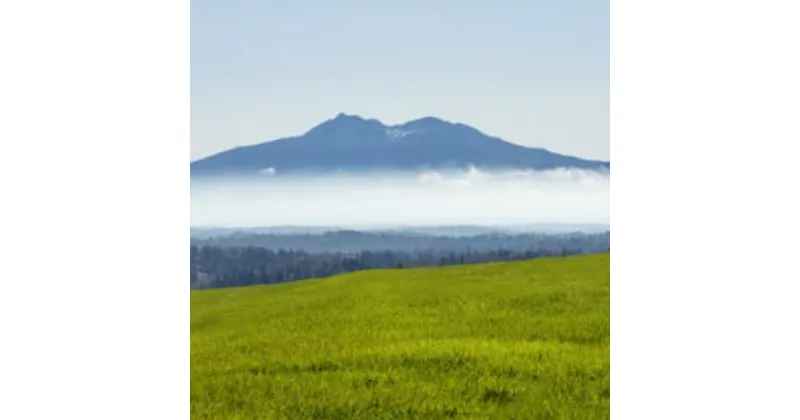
(395, 133)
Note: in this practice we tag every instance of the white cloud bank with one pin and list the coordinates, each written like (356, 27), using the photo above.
(470, 197)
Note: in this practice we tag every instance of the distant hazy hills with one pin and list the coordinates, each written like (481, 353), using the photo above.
(352, 144)
(431, 231)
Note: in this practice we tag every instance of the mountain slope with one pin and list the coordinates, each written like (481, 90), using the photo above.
(351, 143)
(521, 340)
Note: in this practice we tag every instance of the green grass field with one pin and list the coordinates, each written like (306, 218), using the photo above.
(519, 340)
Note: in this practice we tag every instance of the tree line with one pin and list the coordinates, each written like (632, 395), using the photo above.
(347, 241)
(215, 266)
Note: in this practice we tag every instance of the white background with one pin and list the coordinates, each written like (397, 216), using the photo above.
(94, 120)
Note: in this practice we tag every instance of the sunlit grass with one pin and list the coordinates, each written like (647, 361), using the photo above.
(518, 340)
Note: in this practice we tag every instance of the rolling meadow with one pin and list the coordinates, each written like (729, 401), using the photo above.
(509, 340)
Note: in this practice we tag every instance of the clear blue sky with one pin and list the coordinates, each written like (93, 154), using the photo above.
(533, 72)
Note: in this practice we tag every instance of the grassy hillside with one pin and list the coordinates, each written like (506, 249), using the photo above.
(518, 340)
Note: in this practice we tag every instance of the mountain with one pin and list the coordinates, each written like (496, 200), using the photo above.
(354, 144)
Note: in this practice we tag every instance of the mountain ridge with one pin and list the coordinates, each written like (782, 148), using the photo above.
(351, 143)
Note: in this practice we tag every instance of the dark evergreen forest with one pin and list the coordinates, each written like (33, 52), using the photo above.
(242, 259)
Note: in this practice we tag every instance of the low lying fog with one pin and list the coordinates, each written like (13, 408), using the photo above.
(431, 198)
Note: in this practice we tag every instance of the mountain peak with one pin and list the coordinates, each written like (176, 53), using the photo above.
(428, 124)
(429, 120)
(354, 143)
(345, 116)
(346, 124)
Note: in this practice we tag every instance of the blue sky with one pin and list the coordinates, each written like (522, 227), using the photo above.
(530, 71)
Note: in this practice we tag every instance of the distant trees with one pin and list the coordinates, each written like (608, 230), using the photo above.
(216, 265)
(344, 241)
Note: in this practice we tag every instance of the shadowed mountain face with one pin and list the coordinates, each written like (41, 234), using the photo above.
(353, 144)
